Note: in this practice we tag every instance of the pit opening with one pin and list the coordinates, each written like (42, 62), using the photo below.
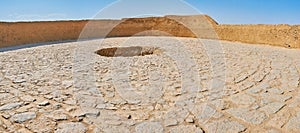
(128, 51)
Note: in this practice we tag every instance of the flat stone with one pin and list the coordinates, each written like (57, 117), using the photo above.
(10, 106)
(116, 129)
(279, 120)
(203, 112)
(149, 127)
(41, 124)
(186, 129)
(28, 98)
(220, 104)
(275, 91)
(252, 117)
(57, 116)
(171, 122)
(293, 124)
(218, 115)
(273, 131)
(243, 99)
(275, 97)
(23, 130)
(92, 112)
(225, 126)
(259, 88)
(114, 122)
(273, 108)
(175, 116)
(22, 117)
(71, 127)
(70, 102)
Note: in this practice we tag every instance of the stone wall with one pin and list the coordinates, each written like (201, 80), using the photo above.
(201, 26)
(277, 35)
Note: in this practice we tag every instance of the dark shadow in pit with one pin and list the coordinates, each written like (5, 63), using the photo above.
(127, 51)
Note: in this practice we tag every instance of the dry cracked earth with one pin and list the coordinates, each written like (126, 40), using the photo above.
(180, 85)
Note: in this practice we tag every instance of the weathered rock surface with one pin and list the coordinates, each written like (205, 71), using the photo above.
(191, 86)
(22, 117)
(71, 127)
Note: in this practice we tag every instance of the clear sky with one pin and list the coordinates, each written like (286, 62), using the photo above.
(223, 11)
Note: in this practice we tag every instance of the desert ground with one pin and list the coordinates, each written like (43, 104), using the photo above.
(158, 84)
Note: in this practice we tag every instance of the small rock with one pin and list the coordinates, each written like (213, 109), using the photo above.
(111, 108)
(57, 106)
(190, 119)
(22, 117)
(58, 116)
(101, 106)
(48, 97)
(133, 101)
(6, 116)
(44, 103)
(19, 80)
(255, 107)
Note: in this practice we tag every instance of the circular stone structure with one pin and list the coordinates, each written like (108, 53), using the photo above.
(39, 91)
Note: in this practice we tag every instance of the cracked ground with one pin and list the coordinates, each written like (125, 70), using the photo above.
(193, 85)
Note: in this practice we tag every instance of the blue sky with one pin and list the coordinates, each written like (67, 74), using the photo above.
(223, 11)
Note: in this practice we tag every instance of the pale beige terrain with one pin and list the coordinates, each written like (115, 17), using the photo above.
(190, 85)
